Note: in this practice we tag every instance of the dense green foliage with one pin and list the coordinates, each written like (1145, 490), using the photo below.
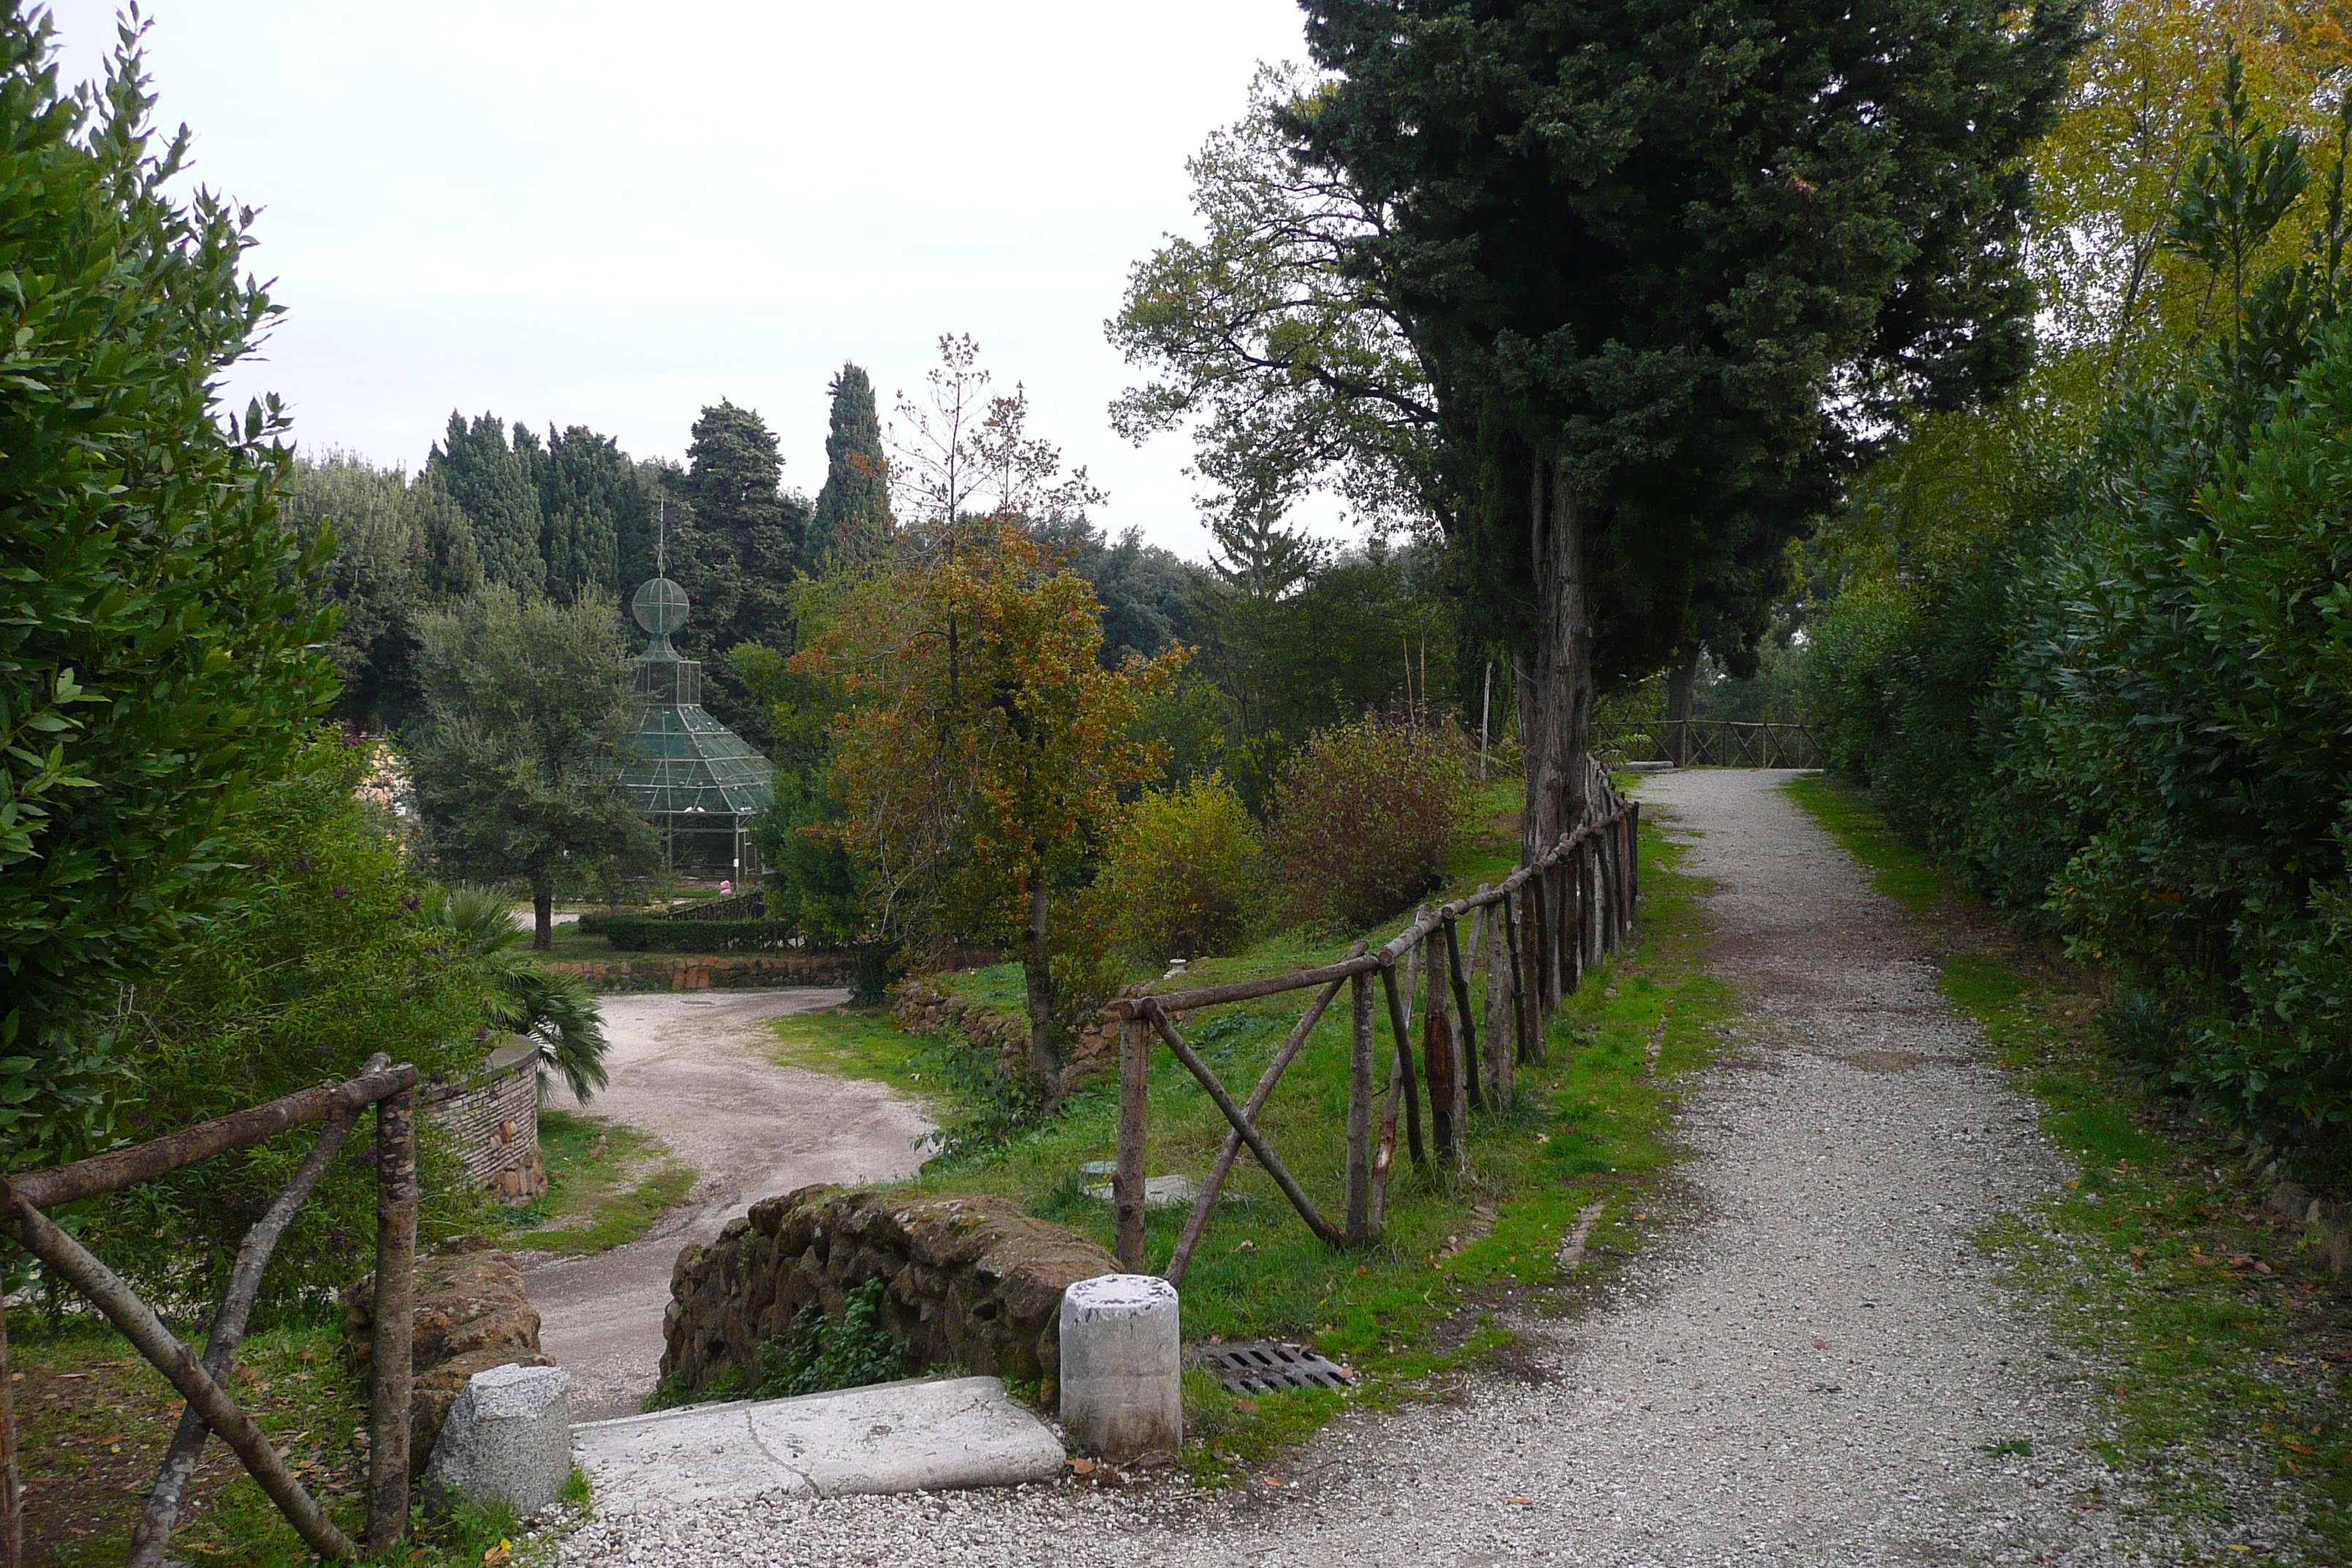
(153, 667)
(2122, 704)
(401, 549)
(851, 516)
(817, 1353)
(526, 722)
(663, 933)
(557, 1013)
(1660, 262)
(327, 958)
(492, 483)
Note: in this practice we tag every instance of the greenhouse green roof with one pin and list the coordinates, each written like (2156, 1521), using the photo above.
(691, 769)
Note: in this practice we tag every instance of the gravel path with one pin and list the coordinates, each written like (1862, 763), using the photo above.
(1807, 1369)
(693, 1069)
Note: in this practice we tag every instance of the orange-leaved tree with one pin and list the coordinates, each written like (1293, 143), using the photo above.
(983, 755)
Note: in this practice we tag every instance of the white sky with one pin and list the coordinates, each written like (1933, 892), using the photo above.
(608, 215)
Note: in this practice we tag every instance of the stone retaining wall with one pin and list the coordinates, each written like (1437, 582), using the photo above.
(973, 1282)
(471, 1314)
(731, 971)
(922, 1006)
(495, 1119)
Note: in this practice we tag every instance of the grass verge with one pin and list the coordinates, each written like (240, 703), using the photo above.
(1591, 1127)
(94, 1420)
(608, 1184)
(2222, 1340)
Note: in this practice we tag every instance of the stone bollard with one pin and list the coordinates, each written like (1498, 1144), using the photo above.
(1122, 1372)
(509, 1436)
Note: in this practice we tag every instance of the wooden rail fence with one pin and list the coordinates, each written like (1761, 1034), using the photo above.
(203, 1382)
(1530, 940)
(1711, 744)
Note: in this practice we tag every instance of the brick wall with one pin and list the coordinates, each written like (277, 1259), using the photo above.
(495, 1119)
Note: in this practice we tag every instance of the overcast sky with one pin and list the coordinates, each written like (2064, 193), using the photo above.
(613, 214)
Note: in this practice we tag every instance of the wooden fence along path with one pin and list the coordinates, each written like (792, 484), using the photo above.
(1711, 744)
(203, 1382)
(1529, 941)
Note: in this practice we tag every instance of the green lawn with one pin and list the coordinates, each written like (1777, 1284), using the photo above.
(607, 1186)
(94, 1420)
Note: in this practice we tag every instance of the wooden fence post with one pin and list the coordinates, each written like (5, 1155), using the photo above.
(1466, 1036)
(392, 1356)
(1542, 940)
(1604, 878)
(1628, 850)
(1634, 859)
(1437, 1058)
(1569, 903)
(1402, 1025)
(1134, 1107)
(1527, 974)
(1361, 1046)
(1500, 1048)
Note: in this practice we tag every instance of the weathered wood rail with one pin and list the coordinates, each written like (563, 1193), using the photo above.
(203, 1382)
(1530, 941)
(1713, 743)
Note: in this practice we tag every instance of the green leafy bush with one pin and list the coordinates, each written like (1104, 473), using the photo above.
(1181, 878)
(1363, 814)
(2126, 709)
(330, 958)
(817, 1354)
(659, 934)
(156, 668)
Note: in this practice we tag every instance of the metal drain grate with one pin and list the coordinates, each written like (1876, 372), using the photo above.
(1264, 1366)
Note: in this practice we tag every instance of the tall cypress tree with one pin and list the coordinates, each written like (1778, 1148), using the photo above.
(853, 509)
(496, 489)
(740, 514)
(1643, 248)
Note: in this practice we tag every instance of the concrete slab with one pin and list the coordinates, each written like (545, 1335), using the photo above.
(925, 1434)
(1159, 1192)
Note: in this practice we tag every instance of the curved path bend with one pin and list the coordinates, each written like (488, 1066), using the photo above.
(1808, 1369)
(696, 1070)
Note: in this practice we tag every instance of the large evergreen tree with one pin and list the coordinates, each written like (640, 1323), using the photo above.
(497, 486)
(587, 490)
(853, 509)
(1643, 248)
(742, 516)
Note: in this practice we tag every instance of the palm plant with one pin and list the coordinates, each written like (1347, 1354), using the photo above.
(557, 1013)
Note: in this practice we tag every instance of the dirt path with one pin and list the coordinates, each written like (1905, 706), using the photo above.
(693, 1069)
(1809, 1370)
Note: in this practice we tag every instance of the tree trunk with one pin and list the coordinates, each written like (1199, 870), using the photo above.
(542, 913)
(1045, 1055)
(12, 1507)
(1680, 684)
(1556, 724)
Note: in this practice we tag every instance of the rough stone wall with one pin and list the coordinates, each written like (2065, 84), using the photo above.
(662, 972)
(924, 1007)
(471, 1314)
(495, 1122)
(973, 1282)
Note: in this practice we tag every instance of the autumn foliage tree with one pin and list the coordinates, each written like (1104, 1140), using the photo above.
(980, 776)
